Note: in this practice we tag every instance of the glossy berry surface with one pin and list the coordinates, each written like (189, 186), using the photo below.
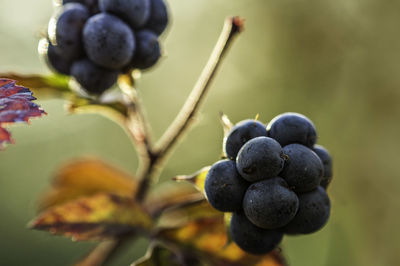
(158, 19)
(66, 34)
(54, 58)
(260, 158)
(291, 128)
(93, 78)
(147, 50)
(224, 187)
(240, 134)
(134, 12)
(303, 169)
(270, 204)
(313, 213)
(251, 238)
(326, 159)
(92, 5)
(108, 41)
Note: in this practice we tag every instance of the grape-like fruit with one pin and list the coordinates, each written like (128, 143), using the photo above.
(313, 213)
(93, 78)
(303, 169)
(65, 30)
(134, 12)
(326, 159)
(270, 204)
(240, 134)
(108, 41)
(158, 19)
(53, 58)
(83, 2)
(251, 238)
(92, 5)
(291, 128)
(260, 158)
(224, 186)
(147, 49)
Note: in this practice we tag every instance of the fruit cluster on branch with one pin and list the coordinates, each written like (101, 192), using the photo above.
(96, 40)
(273, 180)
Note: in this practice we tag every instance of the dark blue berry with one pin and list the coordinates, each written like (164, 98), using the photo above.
(134, 12)
(54, 59)
(326, 159)
(65, 30)
(313, 213)
(270, 204)
(260, 158)
(291, 128)
(147, 50)
(108, 41)
(240, 134)
(224, 186)
(92, 5)
(251, 238)
(158, 19)
(303, 169)
(93, 78)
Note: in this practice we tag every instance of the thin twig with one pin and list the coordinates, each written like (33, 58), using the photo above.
(137, 128)
(102, 253)
(182, 122)
(232, 26)
(136, 124)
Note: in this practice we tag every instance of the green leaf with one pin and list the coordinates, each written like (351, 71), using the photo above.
(53, 85)
(113, 107)
(97, 217)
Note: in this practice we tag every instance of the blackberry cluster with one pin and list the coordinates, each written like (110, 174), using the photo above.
(274, 181)
(95, 40)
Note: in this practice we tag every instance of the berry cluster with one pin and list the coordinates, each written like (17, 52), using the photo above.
(273, 181)
(95, 40)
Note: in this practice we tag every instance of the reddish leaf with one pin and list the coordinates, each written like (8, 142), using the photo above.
(86, 177)
(101, 216)
(5, 136)
(15, 106)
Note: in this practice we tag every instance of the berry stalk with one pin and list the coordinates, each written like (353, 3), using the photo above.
(182, 122)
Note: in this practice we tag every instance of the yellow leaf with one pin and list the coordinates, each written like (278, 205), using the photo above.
(95, 217)
(158, 255)
(170, 194)
(87, 177)
(42, 85)
(185, 213)
(205, 234)
(198, 178)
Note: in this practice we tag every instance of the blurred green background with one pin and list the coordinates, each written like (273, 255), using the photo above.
(337, 62)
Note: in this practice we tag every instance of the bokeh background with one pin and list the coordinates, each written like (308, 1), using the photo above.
(337, 62)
